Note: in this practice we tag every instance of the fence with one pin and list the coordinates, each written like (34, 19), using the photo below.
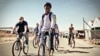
(95, 34)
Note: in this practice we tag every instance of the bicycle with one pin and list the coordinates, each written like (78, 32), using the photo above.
(45, 46)
(72, 41)
(36, 42)
(18, 45)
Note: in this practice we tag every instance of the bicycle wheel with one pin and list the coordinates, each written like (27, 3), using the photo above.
(40, 50)
(25, 48)
(16, 48)
(35, 44)
(48, 51)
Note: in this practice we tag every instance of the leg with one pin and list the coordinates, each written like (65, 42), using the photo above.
(42, 41)
(73, 38)
(26, 38)
(19, 37)
(69, 39)
(51, 39)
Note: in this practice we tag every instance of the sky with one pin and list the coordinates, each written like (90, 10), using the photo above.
(66, 11)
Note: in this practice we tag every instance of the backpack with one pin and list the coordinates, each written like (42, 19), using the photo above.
(49, 17)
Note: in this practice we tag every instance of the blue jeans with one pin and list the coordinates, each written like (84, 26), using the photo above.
(51, 39)
(43, 39)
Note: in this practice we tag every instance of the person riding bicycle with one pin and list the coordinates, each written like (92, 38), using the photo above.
(71, 34)
(36, 30)
(22, 27)
(57, 33)
(47, 24)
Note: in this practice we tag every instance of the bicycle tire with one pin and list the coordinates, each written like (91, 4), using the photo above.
(39, 50)
(14, 48)
(34, 43)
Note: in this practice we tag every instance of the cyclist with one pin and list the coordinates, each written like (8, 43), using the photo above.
(36, 31)
(47, 24)
(22, 27)
(57, 33)
(71, 34)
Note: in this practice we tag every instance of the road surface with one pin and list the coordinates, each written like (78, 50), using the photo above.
(82, 49)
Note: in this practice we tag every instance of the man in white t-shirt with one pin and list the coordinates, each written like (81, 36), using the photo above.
(47, 25)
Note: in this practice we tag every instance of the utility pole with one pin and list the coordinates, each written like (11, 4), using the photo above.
(83, 24)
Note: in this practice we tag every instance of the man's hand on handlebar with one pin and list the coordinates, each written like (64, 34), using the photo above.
(14, 32)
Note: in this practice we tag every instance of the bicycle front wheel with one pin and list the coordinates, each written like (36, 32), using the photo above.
(16, 48)
(41, 50)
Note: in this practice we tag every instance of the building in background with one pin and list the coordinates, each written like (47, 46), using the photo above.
(92, 30)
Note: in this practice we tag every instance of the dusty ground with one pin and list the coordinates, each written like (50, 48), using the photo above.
(83, 47)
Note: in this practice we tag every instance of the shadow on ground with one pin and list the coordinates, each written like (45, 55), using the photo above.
(30, 54)
(60, 47)
(71, 51)
(85, 47)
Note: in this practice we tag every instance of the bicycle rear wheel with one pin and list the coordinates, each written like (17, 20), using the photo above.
(35, 44)
(16, 48)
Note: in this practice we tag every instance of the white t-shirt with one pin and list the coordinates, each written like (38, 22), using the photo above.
(47, 24)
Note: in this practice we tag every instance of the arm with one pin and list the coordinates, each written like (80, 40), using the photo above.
(53, 21)
(25, 27)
